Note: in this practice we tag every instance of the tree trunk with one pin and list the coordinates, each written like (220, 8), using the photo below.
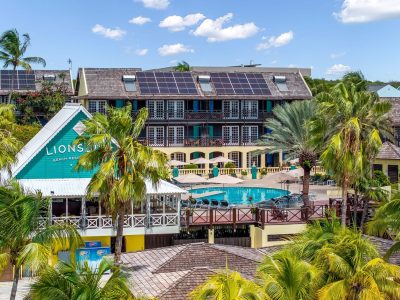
(355, 206)
(344, 203)
(306, 186)
(364, 215)
(118, 240)
(12, 86)
(15, 284)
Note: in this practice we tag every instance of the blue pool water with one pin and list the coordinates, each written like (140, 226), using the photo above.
(240, 195)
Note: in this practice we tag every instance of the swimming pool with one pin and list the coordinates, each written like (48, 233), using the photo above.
(239, 195)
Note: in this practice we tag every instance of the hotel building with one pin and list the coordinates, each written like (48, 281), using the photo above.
(207, 112)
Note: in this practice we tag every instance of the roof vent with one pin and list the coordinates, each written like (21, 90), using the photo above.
(49, 77)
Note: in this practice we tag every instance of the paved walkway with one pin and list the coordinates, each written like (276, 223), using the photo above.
(23, 288)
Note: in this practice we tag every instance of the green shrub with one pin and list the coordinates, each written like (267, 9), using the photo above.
(191, 167)
(230, 165)
(244, 173)
(263, 171)
(381, 178)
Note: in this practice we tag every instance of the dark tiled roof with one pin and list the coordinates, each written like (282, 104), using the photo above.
(395, 111)
(107, 83)
(375, 87)
(388, 151)
(39, 78)
(161, 272)
(383, 246)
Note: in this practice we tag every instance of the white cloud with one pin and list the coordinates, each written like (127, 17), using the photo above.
(276, 41)
(178, 23)
(214, 32)
(114, 34)
(338, 70)
(142, 52)
(337, 55)
(274, 62)
(156, 4)
(363, 11)
(173, 49)
(139, 20)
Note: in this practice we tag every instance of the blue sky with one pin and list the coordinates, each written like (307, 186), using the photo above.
(331, 36)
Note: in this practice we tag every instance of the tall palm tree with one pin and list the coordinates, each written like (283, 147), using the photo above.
(74, 282)
(121, 162)
(347, 127)
(26, 239)
(12, 52)
(357, 78)
(290, 134)
(9, 144)
(228, 285)
(182, 66)
(286, 277)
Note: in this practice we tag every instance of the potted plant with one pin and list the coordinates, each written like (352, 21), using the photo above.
(263, 172)
(244, 174)
(230, 166)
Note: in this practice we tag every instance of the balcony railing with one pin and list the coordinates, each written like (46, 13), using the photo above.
(105, 222)
(200, 141)
(208, 115)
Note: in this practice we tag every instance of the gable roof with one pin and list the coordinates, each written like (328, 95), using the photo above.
(163, 271)
(46, 134)
(388, 91)
(388, 151)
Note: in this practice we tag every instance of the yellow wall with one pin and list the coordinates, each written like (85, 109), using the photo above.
(105, 240)
(134, 243)
(259, 236)
(386, 162)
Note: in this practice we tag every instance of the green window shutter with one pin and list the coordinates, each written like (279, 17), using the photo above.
(196, 131)
(119, 103)
(269, 106)
(211, 131)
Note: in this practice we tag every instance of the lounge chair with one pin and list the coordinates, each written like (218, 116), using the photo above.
(214, 203)
(223, 204)
(205, 203)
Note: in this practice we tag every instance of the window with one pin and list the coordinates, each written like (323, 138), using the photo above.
(176, 135)
(231, 109)
(250, 109)
(249, 135)
(175, 109)
(204, 81)
(280, 82)
(97, 106)
(230, 135)
(253, 159)
(49, 77)
(155, 135)
(129, 82)
(180, 156)
(156, 109)
(235, 156)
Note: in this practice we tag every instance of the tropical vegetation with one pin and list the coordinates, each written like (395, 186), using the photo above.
(182, 66)
(289, 132)
(12, 52)
(79, 281)
(26, 238)
(121, 163)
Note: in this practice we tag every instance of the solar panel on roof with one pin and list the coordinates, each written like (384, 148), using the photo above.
(240, 84)
(17, 80)
(166, 83)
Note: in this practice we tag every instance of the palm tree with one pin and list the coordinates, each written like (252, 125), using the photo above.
(290, 134)
(357, 78)
(122, 164)
(182, 66)
(9, 144)
(353, 270)
(228, 285)
(347, 127)
(12, 52)
(73, 282)
(286, 277)
(26, 239)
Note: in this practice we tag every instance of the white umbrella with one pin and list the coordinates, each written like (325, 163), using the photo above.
(201, 161)
(221, 159)
(225, 179)
(281, 176)
(296, 172)
(177, 163)
(190, 179)
(294, 161)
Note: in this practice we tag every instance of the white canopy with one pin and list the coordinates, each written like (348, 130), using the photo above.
(221, 159)
(296, 172)
(176, 163)
(281, 176)
(76, 187)
(225, 179)
(201, 161)
(190, 179)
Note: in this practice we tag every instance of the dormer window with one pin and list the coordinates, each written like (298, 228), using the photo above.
(129, 82)
(280, 82)
(204, 81)
(49, 77)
